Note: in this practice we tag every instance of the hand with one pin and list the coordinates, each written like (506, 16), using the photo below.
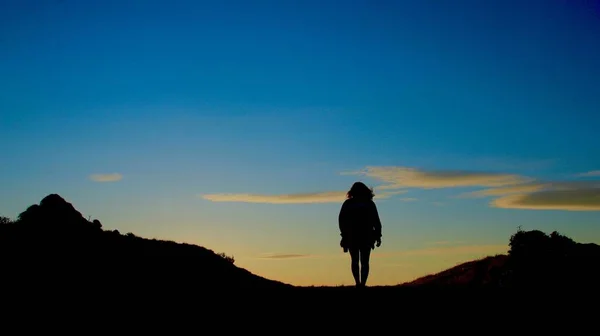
(378, 242)
(343, 246)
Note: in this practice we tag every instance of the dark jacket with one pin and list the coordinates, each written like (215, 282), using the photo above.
(359, 223)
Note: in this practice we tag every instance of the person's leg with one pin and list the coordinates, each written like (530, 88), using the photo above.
(354, 258)
(365, 255)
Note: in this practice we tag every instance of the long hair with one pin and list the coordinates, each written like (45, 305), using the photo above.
(360, 190)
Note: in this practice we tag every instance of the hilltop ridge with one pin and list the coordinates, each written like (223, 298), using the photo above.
(535, 260)
(53, 241)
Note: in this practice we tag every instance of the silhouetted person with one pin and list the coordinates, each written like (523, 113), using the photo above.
(360, 229)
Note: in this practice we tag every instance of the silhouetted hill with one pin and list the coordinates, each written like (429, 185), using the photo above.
(535, 261)
(474, 273)
(53, 241)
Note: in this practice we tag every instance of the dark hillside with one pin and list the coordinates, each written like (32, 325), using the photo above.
(535, 261)
(476, 273)
(53, 241)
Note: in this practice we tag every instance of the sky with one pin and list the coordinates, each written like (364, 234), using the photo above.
(240, 125)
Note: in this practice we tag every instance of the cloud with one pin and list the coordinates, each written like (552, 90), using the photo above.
(511, 190)
(582, 199)
(285, 256)
(500, 191)
(439, 249)
(408, 199)
(551, 195)
(405, 177)
(106, 177)
(533, 187)
(590, 173)
(315, 197)
(572, 185)
(446, 242)
(387, 194)
(448, 250)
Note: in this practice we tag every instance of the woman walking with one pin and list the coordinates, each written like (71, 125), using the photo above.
(360, 228)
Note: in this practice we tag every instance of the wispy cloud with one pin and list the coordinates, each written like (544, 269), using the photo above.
(439, 249)
(316, 197)
(106, 177)
(590, 173)
(449, 250)
(388, 194)
(510, 190)
(533, 187)
(445, 242)
(551, 195)
(404, 177)
(284, 256)
(572, 185)
(500, 191)
(577, 199)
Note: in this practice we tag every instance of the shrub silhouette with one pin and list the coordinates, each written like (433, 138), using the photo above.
(5, 220)
(226, 257)
(540, 260)
(97, 224)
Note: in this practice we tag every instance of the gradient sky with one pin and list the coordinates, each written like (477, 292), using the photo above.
(239, 125)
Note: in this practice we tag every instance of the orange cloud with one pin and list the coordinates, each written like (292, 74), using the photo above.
(106, 177)
(500, 191)
(512, 191)
(404, 177)
(316, 197)
(551, 195)
(438, 249)
(285, 256)
(584, 199)
(448, 250)
(445, 242)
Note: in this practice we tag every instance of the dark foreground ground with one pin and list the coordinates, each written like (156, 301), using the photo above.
(57, 268)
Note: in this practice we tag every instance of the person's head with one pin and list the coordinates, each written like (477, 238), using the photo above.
(360, 190)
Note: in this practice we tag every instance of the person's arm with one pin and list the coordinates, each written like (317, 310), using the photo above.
(342, 219)
(376, 223)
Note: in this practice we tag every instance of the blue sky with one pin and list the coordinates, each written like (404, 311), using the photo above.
(198, 116)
